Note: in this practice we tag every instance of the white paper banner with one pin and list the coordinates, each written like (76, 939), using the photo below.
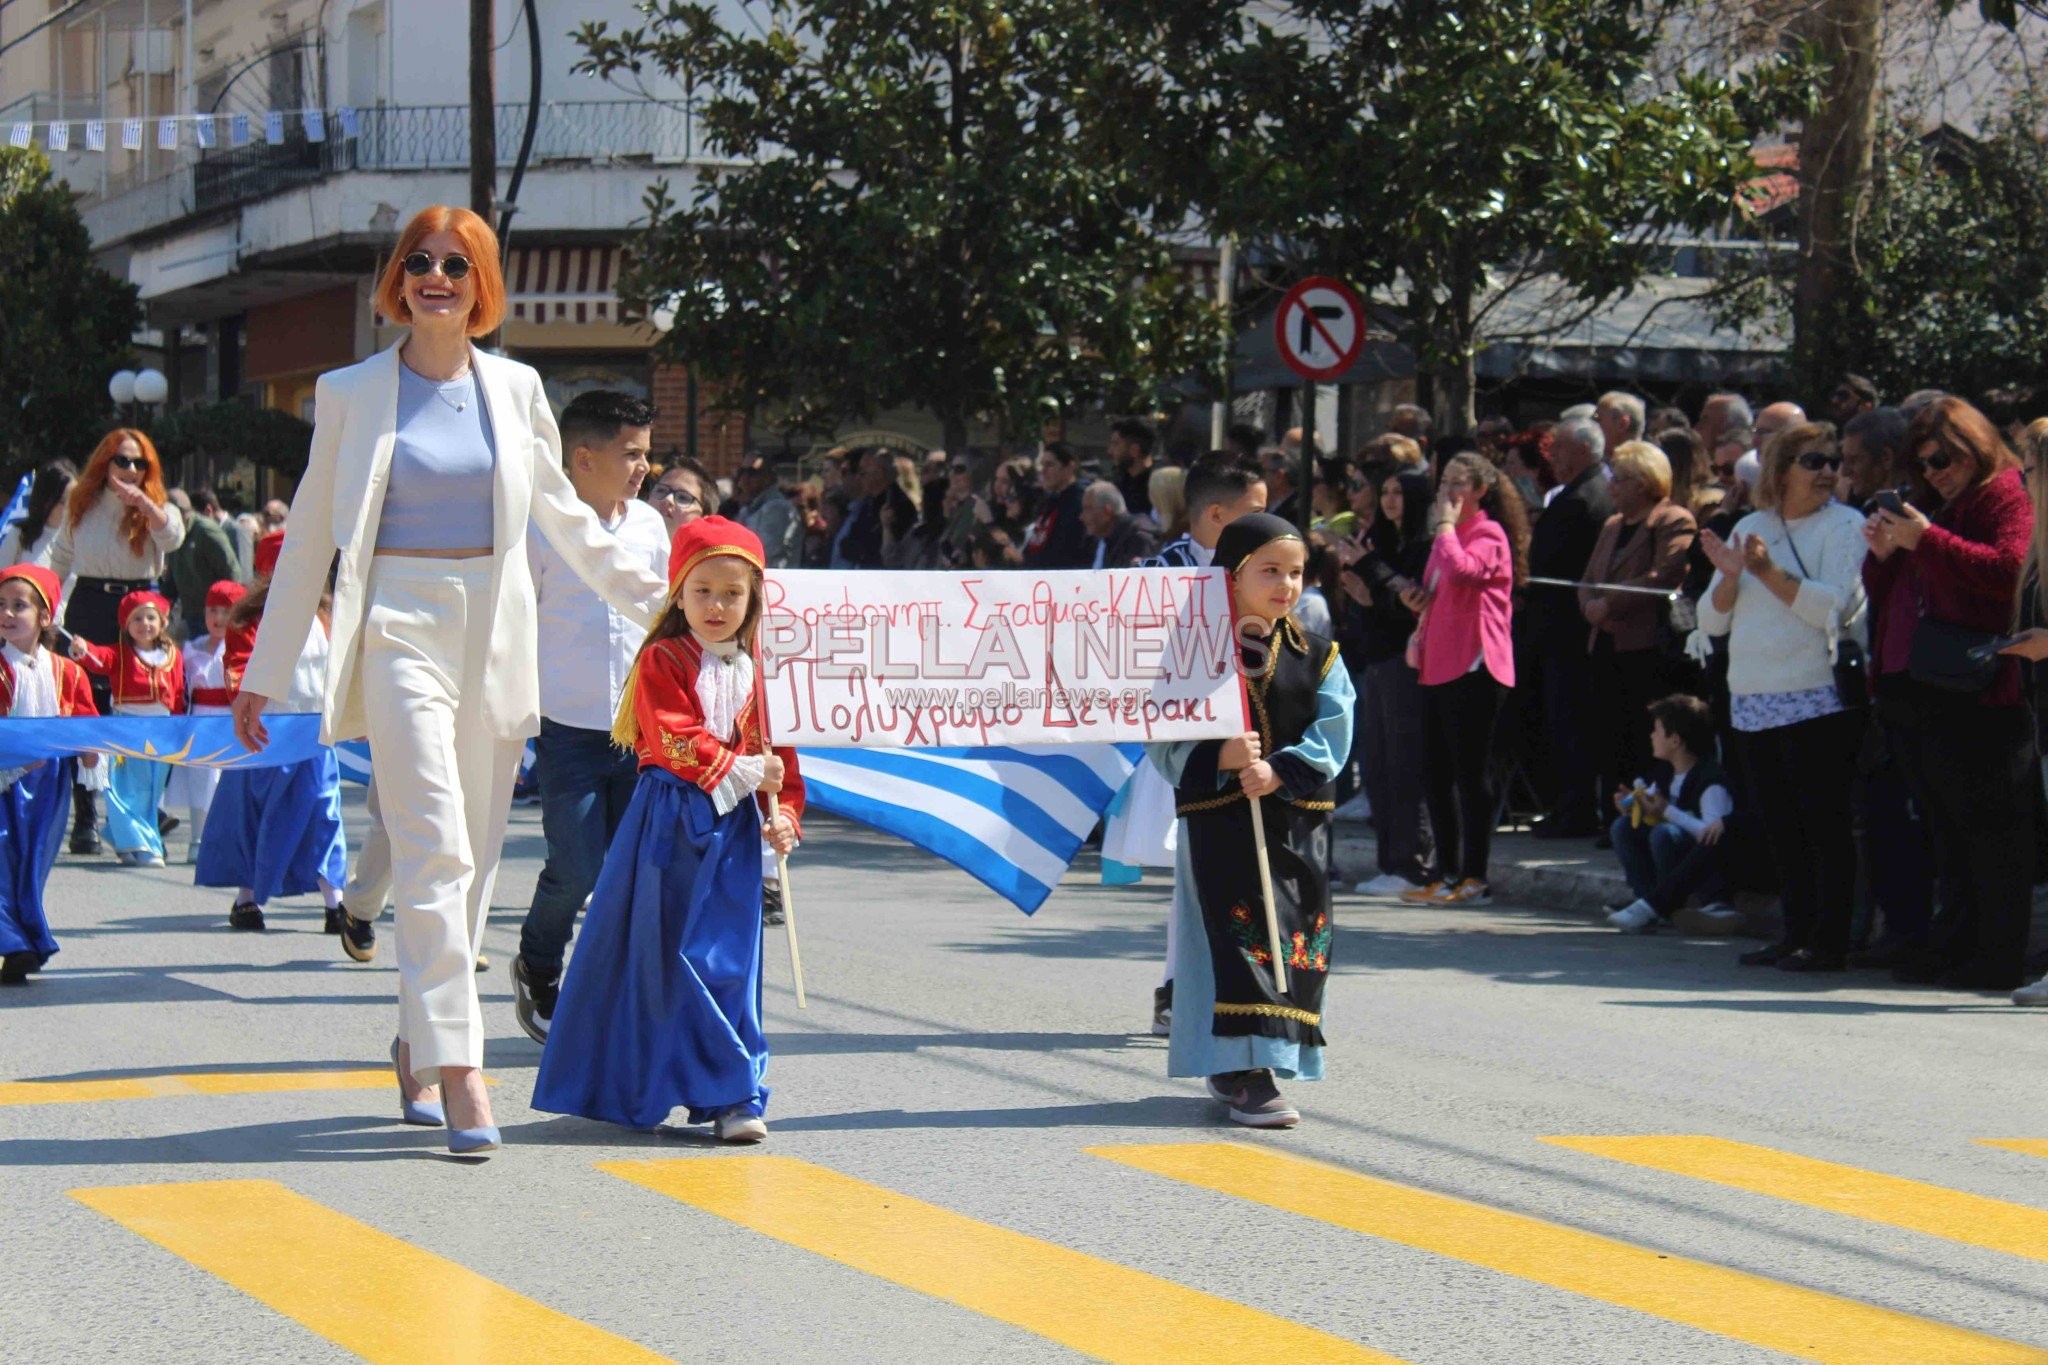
(914, 660)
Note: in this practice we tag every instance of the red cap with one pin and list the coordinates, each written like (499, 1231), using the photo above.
(225, 593)
(708, 536)
(41, 579)
(144, 598)
(267, 551)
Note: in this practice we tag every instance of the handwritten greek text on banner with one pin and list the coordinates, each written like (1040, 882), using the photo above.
(919, 660)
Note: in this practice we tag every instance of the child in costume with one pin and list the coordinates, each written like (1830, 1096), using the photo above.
(146, 677)
(35, 801)
(1231, 1022)
(206, 694)
(276, 831)
(661, 1004)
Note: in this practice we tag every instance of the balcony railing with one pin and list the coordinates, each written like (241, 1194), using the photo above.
(436, 137)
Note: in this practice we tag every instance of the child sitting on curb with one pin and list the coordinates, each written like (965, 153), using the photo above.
(1669, 836)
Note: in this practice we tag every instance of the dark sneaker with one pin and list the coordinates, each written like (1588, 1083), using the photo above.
(246, 916)
(358, 937)
(166, 822)
(533, 998)
(336, 916)
(1162, 1010)
(1252, 1099)
(771, 903)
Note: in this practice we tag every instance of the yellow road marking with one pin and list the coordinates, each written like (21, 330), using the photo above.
(1891, 1200)
(383, 1299)
(2024, 1146)
(197, 1083)
(1094, 1306)
(1730, 1303)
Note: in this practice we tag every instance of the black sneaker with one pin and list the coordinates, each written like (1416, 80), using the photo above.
(246, 916)
(533, 998)
(358, 936)
(166, 822)
(335, 917)
(771, 903)
(1162, 1010)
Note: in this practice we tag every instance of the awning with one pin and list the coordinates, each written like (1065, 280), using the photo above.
(563, 284)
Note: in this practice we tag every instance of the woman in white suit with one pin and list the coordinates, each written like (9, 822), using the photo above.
(429, 462)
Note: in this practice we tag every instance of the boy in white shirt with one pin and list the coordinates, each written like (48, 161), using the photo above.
(1669, 837)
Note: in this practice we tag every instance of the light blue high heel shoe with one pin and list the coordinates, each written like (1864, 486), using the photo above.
(472, 1141)
(419, 1113)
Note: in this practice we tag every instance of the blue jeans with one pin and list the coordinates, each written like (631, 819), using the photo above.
(1665, 865)
(585, 783)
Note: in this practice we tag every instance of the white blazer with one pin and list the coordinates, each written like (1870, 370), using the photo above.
(337, 509)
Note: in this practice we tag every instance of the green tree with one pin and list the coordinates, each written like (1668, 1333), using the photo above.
(919, 209)
(1490, 171)
(65, 324)
(266, 437)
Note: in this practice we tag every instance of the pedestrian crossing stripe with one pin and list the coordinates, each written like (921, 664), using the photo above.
(384, 1299)
(194, 1083)
(1730, 1303)
(1091, 1305)
(2024, 1146)
(1891, 1200)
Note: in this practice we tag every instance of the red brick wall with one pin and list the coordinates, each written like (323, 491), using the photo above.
(721, 436)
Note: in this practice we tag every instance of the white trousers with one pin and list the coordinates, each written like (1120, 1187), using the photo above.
(444, 791)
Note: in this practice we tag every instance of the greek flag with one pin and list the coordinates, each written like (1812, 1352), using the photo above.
(1012, 818)
(17, 507)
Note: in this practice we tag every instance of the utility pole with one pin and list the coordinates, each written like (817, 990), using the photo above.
(483, 110)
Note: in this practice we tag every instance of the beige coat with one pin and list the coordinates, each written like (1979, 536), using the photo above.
(1655, 557)
(336, 511)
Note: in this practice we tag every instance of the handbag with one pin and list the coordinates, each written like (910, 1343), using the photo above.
(1940, 656)
(1852, 665)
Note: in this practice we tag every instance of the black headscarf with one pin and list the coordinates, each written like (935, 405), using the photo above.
(1248, 535)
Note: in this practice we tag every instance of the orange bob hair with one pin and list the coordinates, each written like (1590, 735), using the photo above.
(93, 482)
(479, 243)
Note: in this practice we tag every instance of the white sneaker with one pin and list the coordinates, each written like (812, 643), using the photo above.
(1635, 918)
(1356, 811)
(1386, 884)
(737, 1125)
(1720, 915)
(2036, 994)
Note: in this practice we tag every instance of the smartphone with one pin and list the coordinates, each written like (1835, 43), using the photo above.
(1991, 649)
(1888, 500)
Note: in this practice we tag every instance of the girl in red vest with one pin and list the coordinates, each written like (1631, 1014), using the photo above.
(35, 682)
(147, 678)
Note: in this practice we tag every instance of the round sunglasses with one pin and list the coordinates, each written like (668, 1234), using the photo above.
(454, 265)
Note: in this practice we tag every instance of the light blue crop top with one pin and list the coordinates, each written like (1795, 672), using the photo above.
(442, 468)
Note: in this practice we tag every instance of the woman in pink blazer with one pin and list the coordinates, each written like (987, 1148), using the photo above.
(1478, 555)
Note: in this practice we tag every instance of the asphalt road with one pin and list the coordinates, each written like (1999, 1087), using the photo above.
(976, 1153)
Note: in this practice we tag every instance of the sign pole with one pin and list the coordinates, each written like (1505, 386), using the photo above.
(1305, 477)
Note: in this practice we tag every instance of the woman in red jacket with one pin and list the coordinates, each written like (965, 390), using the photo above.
(1935, 583)
(1462, 647)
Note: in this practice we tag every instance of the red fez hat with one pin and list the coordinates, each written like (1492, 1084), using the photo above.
(267, 551)
(135, 601)
(707, 537)
(225, 593)
(41, 579)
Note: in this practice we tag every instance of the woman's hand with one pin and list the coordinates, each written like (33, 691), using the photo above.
(1595, 612)
(250, 730)
(1756, 557)
(1239, 752)
(1348, 549)
(133, 496)
(1447, 511)
(1259, 779)
(1878, 537)
(772, 773)
(2029, 644)
(1722, 555)
(1905, 530)
(781, 833)
(1355, 589)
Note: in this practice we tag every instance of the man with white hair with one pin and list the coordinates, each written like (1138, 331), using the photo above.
(1720, 412)
(1560, 546)
(1621, 417)
(1120, 539)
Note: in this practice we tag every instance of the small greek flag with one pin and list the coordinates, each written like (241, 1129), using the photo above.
(96, 135)
(167, 135)
(20, 134)
(59, 139)
(202, 127)
(131, 134)
(351, 122)
(316, 126)
(273, 127)
(238, 130)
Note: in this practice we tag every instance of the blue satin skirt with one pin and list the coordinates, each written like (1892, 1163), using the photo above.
(661, 1005)
(34, 813)
(135, 788)
(276, 830)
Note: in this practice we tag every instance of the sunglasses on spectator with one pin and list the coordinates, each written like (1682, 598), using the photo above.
(959, 469)
(1817, 460)
(453, 265)
(1940, 459)
(129, 462)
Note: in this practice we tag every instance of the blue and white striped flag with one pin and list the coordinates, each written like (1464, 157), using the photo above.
(1013, 818)
(17, 506)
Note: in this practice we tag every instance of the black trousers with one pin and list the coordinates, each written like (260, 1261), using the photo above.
(1802, 777)
(1567, 709)
(1625, 682)
(1391, 713)
(1458, 753)
(1973, 768)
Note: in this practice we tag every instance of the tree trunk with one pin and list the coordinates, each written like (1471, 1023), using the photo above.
(1835, 150)
(953, 426)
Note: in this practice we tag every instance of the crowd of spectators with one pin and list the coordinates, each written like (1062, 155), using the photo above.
(1747, 649)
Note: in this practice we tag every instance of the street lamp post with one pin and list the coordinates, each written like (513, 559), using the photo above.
(131, 389)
